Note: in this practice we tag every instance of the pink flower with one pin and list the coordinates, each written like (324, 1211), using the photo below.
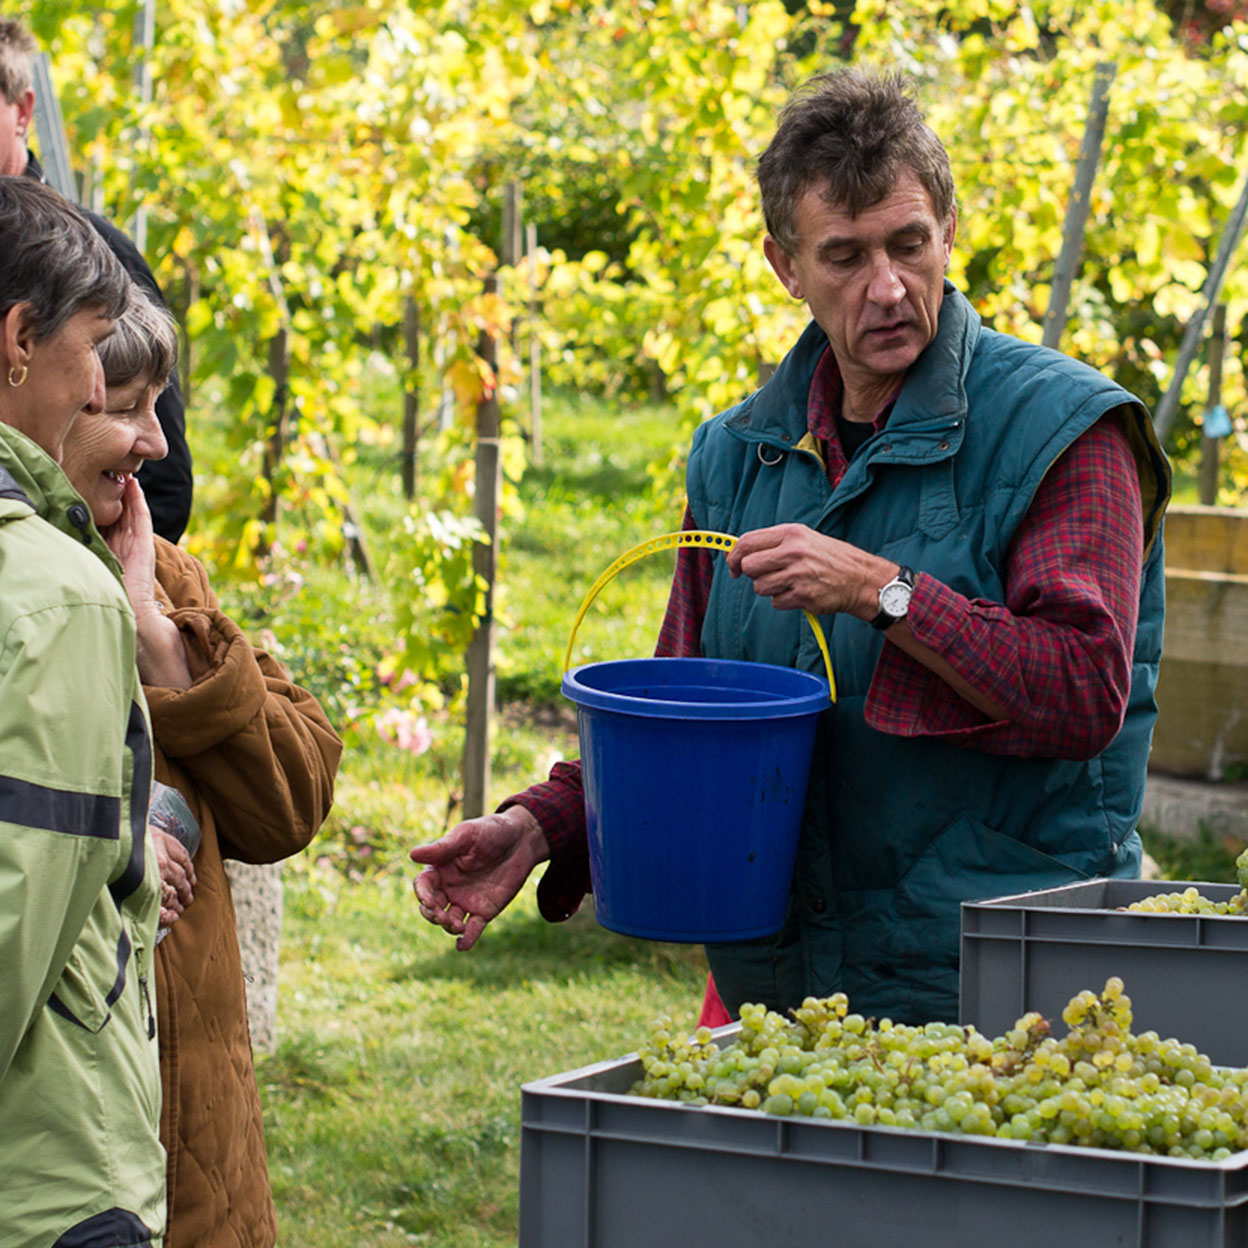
(404, 729)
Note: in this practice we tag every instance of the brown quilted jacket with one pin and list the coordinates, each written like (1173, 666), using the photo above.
(255, 757)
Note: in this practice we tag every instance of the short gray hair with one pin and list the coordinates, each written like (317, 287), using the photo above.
(850, 133)
(53, 259)
(144, 343)
(17, 46)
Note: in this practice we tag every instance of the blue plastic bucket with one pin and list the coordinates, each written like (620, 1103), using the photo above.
(695, 777)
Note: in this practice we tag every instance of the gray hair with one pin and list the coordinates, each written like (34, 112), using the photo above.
(144, 343)
(852, 133)
(53, 259)
(17, 46)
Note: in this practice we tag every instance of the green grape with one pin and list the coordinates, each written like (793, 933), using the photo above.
(1191, 901)
(1098, 1086)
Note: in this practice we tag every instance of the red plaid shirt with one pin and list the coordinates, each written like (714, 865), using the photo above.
(1061, 641)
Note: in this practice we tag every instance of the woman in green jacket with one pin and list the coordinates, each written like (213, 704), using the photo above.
(79, 890)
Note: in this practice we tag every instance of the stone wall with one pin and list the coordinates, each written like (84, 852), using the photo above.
(257, 893)
(1181, 808)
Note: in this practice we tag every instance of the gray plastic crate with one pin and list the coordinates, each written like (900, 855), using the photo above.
(1186, 974)
(600, 1169)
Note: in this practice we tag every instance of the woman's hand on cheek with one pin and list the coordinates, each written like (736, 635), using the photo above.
(159, 652)
(131, 540)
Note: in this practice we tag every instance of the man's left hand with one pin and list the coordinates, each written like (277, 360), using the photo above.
(798, 568)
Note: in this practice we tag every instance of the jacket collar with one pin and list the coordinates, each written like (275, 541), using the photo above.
(934, 388)
(47, 488)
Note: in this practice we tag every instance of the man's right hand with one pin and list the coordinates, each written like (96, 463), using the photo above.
(474, 871)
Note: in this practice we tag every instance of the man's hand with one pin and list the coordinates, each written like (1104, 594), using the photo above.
(798, 568)
(474, 871)
(177, 876)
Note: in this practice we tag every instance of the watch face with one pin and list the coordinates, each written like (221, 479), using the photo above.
(895, 598)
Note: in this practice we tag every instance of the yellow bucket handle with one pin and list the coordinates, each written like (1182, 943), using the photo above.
(687, 537)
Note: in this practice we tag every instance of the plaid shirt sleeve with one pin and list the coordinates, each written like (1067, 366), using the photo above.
(1056, 656)
(558, 804)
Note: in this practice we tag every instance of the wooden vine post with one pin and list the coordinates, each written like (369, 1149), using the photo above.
(50, 127)
(145, 40)
(478, 723)
(1195, 330)
(535, 349)
(279, 371)
(1209, 445)
(479, 719)
(1077, 209)
(411, 397)
(513, 246)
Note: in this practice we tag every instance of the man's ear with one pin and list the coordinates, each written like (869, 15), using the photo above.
(950, 232)
(25, 111)
(782, 264)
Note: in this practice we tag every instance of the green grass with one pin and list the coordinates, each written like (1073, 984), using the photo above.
(1209, 858)
(392, 1101)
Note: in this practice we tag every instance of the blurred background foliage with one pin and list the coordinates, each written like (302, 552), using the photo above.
(318, 180)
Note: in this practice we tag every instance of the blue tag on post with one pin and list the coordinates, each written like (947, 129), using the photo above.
(1217, 422)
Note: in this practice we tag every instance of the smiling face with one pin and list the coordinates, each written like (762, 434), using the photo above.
(105, 448)
(873, 282)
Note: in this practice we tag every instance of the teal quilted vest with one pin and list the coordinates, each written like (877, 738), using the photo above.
(898, 832)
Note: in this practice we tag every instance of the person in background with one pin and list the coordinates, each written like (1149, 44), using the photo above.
(255, 759)
(975, 520)
(80, 1155)
(168, 483)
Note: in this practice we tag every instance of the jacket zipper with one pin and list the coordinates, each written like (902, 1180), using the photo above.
(147, 1003)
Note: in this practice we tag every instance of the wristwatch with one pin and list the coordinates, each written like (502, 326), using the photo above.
(895, 599)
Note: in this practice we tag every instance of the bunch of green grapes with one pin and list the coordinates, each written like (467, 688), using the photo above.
(1100, 1086)
(1192, 901)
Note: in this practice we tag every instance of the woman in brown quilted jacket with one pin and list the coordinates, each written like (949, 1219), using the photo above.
(255, 758)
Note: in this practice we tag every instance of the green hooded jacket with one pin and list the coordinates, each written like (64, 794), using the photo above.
(80, 1156)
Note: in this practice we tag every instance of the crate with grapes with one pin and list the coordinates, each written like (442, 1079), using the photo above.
(1183, 949)
(1083, 1129)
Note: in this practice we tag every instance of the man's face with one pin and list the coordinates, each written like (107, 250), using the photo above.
(14, 124)
(873, 282)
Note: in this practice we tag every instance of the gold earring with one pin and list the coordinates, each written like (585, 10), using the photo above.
(21, 377)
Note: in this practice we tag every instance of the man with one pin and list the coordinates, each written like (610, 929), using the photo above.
(167, 483)
(975, 520)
